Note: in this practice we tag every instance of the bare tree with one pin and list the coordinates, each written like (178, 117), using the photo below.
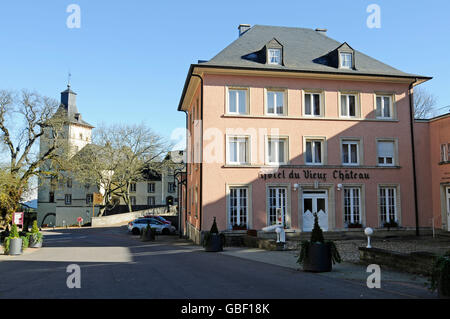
(118, 158)
(25, 118)
(424, 103)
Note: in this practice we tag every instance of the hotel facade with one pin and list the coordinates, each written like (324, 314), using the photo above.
(287, 122)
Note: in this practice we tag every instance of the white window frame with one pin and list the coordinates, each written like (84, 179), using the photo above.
(247, 149)
(346, 107)
(342, 59)
(346, 144)
(68, 199)
(311, 98)
(277, 149)
(89, 198)
(133, 200)
(444, 153)
(151, 188)
(133, 187)
(238, 206)
(394, 153)
(313, 153)
(270, 55)
(278, 204)
(171, 187)
(275, 112)
(148, 200)
(237, 112)
(386, 190)
(391, 106)
(352, 205)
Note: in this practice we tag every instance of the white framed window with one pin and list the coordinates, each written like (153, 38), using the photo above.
(133, 200)
(350, 152)
(171, 187)
(274, 56)
(275, 103)
(277, 150)
(444, 153)
(133, 187)
(313, 104)
(151, 200)
(388, 204)
(237, 101)
(277, 202)
(68, 199)
(69, 183)
(385, 109)
(150, 187)
(349, 105)
(386, 153)
(89, 198)
(238, 207)
(346, 60)
(352, 205)
(314, 152)
(238, 150)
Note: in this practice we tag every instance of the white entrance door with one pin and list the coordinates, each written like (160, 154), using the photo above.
(447, 192)
(277, 202)
(315, 202)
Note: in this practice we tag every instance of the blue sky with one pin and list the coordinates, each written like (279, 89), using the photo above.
(129, 59)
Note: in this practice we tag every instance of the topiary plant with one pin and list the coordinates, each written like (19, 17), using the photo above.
(214, 229)
(14, 232)
(317, 234)
(35, 233)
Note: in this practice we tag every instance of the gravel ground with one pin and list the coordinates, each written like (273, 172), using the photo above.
(349, 248)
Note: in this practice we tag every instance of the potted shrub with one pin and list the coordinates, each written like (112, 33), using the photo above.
(36, 238)
(213, 241)
(318, 255)
(13, 243)
(440, 276)
(148, 233)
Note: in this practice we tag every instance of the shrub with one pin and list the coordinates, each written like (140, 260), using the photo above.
(317, 234)
(440, 275)
(214, 229)
(14, 232)
(25, 242)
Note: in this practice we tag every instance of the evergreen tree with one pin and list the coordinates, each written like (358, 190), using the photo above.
(317, 234)
(214, 229)
(14, 232)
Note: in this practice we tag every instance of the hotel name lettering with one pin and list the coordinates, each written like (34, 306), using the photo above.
(342, 175)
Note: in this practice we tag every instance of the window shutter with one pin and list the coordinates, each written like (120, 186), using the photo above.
(385, 149)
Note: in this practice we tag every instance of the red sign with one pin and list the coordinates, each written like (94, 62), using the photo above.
(18, 219)
(79, 219)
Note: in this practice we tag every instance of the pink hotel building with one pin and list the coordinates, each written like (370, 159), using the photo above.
(287, 122)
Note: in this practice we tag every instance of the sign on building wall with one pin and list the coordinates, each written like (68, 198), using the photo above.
(98, 199)
(18, 219)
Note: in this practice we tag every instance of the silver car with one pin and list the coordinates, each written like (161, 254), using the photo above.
(137, 225)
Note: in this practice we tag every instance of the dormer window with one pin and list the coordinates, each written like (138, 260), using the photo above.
(274, 56)
(346, 60)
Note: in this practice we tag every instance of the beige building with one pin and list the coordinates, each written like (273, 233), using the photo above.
(62, 203)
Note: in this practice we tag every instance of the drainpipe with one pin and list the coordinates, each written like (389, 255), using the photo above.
(201, 152)
(411, 111)
(187, 167)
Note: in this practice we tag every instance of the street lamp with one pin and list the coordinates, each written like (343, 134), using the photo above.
(369, 232)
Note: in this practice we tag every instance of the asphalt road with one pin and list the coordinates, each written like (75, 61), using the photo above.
(115, 264)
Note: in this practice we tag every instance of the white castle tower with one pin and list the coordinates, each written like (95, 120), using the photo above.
(55, 200)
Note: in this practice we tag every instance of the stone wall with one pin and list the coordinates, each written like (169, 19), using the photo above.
(415, 262)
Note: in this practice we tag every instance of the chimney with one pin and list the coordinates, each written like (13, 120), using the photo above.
(243, 28)
(322, 31)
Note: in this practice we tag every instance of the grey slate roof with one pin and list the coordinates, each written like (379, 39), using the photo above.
(302, 49)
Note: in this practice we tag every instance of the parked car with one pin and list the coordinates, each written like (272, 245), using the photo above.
(136, 225)
(160, 218)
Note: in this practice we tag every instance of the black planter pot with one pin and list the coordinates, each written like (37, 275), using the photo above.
(214, 243)
(33, 244)
(147, 235)
(319, 258)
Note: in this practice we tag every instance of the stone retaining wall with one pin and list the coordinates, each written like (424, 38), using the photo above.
(415, 262)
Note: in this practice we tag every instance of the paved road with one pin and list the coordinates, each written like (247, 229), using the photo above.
(115, 264)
